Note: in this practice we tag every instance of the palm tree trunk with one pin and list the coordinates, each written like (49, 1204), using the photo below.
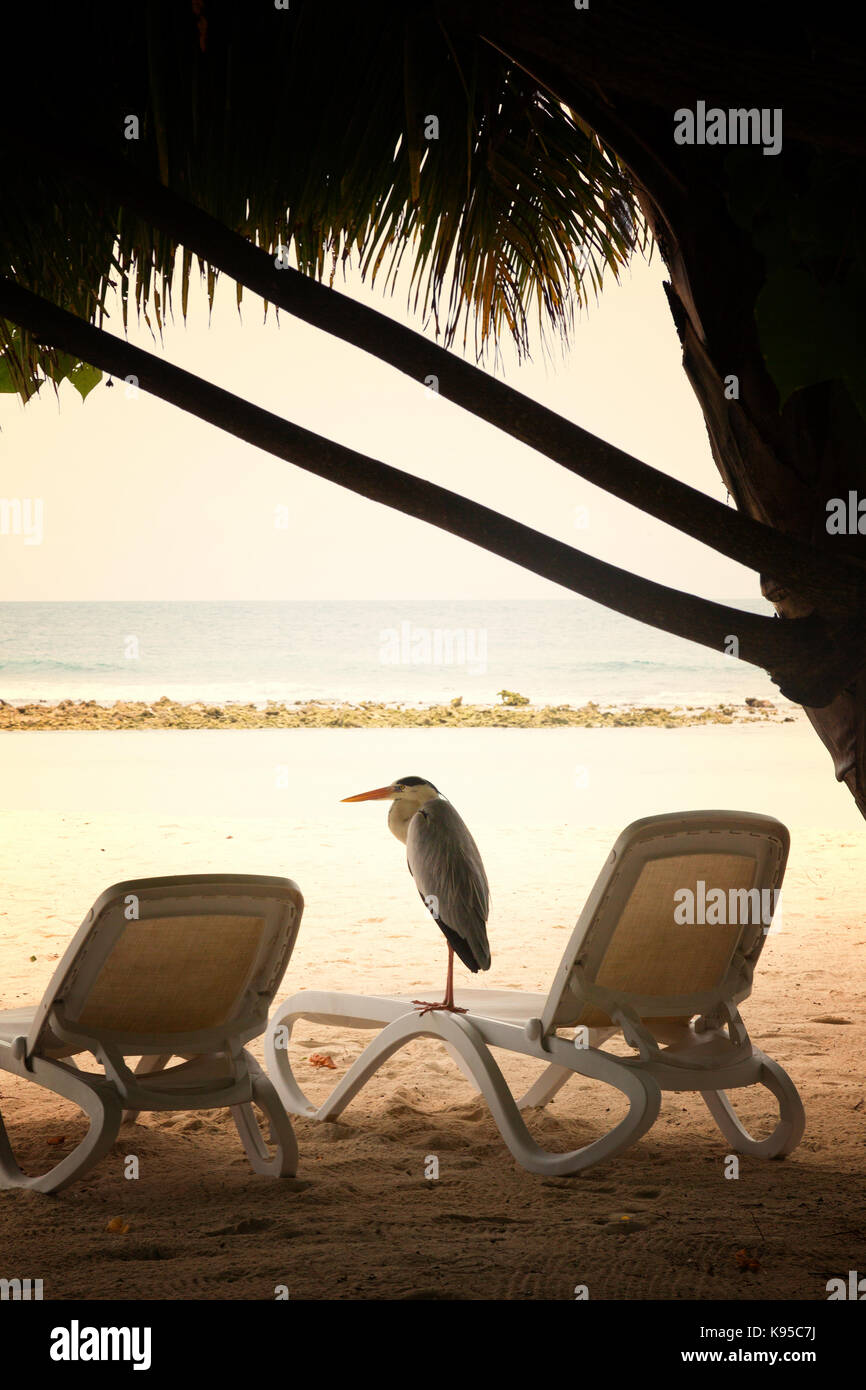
(626, 74)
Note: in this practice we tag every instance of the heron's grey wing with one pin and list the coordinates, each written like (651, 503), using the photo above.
(446, 865)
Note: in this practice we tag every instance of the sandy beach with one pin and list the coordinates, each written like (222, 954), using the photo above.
(80, 810)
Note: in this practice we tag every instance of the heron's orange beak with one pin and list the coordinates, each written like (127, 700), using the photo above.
(380, 794)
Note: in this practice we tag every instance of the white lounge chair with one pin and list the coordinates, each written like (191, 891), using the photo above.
(671, 989)
(181, 967)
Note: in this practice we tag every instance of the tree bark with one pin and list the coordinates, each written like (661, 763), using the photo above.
(626, 74)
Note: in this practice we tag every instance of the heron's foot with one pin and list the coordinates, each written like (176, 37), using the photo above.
(427, 1008)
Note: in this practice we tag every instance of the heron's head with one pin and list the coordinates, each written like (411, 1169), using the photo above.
(412, 789)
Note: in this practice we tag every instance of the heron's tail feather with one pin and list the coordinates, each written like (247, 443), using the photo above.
(465, 952)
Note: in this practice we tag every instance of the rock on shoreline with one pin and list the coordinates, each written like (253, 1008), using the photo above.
(369, 714)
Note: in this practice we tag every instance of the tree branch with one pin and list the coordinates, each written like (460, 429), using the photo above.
(798, 654)
(834, 584)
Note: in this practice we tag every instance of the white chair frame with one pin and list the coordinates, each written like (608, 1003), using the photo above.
(710, 1054)
(38, 1044)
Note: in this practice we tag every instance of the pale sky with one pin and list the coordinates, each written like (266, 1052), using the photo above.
(142, 501)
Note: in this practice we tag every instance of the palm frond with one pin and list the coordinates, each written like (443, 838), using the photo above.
(299, 140)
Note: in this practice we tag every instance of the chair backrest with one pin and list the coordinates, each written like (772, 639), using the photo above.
(675, 921)
(177, 964)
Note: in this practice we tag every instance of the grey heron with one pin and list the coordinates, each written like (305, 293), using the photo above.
(445, 863)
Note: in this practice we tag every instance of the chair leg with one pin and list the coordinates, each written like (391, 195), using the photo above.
(97, 1099)
(551, 1080)
(284, 1162)
(461, 1065)
(642, 1091)
(394, 1036)
(792, 1117)
(554, 1076)
(280, 1068)
(146, 1066)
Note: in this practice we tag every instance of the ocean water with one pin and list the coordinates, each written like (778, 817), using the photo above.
(558, 651)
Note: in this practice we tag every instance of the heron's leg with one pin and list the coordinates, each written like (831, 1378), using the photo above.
(448, 1001)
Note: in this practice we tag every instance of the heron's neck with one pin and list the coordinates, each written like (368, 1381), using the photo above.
(399, 816)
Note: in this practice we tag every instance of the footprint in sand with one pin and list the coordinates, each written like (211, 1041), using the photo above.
(244, 1228)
